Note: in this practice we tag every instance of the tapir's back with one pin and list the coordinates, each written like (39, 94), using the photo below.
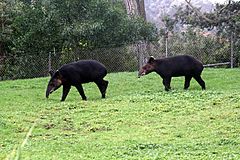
(180, 65)
(83, 71)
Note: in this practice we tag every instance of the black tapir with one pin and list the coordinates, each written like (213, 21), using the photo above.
(182, 65)
(77, 73)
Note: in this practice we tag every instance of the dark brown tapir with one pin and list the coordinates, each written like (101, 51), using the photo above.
(76, 74)
(182, 65)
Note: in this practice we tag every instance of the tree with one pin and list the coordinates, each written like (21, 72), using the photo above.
(7, 10)
(224, 19)
(30, 29)
(136, 8)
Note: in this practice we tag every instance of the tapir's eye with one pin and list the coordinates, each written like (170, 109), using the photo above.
(147, 67)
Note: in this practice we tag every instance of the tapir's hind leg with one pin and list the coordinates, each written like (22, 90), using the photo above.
(200, 81)
(166, 83)
(102, 85)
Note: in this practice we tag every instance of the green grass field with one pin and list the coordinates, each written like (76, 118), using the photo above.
(137, 120)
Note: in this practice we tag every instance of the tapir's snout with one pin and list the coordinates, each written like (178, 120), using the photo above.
(49, 91)
(54, 83)
(141, 73)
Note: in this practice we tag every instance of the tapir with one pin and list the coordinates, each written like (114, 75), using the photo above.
(75, 74)
(181, 65)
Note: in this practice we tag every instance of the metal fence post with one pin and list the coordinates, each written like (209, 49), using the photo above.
(232, 54)
(166, 43)
(140, 54)
(141, 51)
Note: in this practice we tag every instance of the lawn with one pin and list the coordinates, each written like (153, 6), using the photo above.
(137, 120)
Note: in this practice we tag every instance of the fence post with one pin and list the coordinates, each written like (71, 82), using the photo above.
(50, 59)
(141, 51)
(232, 54)
(166, 43)
(49, 62)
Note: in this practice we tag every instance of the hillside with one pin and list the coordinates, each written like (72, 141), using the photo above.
(155, 9)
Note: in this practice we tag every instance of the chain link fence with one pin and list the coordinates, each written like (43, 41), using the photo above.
(210, 50)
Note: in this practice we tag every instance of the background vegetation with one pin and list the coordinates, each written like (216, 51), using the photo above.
(32, 29)
(212, 36)
(77, 29)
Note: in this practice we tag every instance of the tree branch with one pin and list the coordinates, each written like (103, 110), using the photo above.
(229, 2)
(199, 13)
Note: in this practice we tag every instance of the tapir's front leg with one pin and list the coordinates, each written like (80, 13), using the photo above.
(66, 89)
(102, 85)
(81, 92)
(187, 82)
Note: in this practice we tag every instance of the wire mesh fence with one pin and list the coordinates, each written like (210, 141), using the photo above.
(209, 50)
(118, 59)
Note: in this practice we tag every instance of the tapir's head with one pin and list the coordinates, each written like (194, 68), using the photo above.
(54, 83)
(148, 67)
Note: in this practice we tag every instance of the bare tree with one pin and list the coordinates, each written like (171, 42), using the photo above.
(135, 8)
(141, 8)
(131, 7)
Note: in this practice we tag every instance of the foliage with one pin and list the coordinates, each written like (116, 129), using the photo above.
(222, 24)
(137, 120)
(36, 28)
(207, 49)
(225, 19)
(7, 10)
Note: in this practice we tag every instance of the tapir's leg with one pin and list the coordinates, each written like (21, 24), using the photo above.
(66, 89)
(102, 85)
(166, 83)
(81, 92)
(105, 85)
(200, 81)
(187, 81)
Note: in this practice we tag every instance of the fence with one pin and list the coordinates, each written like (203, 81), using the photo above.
(209, 50)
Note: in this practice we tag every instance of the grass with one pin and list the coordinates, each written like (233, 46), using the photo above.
(137, 120)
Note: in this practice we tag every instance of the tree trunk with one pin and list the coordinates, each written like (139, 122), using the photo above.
(131, 7)
(141, 9)
(137, 8)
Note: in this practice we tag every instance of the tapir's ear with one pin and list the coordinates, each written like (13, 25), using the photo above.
(51, 72)
(151, 59)
(57, 74)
